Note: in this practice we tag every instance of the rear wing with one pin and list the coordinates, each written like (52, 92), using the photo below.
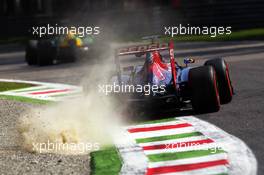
(142, 49)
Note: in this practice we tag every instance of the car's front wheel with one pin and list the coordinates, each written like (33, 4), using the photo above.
(204, 91)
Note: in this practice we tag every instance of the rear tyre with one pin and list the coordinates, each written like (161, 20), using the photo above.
(47, 53)
(223, 78)
(204, 91)
(31, 52)
(73, 51)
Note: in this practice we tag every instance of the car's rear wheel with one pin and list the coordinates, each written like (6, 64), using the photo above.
(223, 78)
(31, 52)
(47, 53)
(204, 91)
(73, 51)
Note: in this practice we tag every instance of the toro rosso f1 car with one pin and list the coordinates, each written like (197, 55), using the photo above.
(204, 87)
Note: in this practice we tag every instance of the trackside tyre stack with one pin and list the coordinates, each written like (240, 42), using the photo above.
(223, 78)
(204, 91)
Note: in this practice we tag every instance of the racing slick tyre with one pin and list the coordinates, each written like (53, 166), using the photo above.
(47, 53)
(31, 52)
(223, 78)
(73, 51)
(204, 91)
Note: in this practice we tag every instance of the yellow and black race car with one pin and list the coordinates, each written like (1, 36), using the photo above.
(57, 49)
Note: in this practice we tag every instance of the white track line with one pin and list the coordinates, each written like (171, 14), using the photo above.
(174, 141)
(29, 89)
(39, 83)
(134, 159)
(241, 159)
(185, 161)
(46, 96)
(207, 146)
(158, 133)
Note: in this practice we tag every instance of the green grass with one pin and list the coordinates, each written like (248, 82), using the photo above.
(106, 161)
(182, 155)
(32, 89)
(24, 99)
(168, 137)
(6, 86)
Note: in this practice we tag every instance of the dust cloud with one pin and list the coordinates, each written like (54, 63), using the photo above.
(76, 126)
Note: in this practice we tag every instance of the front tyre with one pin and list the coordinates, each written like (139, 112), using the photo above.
(204, 91)
(223, 78)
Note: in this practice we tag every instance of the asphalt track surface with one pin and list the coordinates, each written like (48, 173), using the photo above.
(243, 117)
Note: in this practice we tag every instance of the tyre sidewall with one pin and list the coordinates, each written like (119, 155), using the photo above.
(204, 92)
(224, 82)
(31, 52)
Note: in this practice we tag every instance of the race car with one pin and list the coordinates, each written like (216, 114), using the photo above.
(56, 49)
(204, 87)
